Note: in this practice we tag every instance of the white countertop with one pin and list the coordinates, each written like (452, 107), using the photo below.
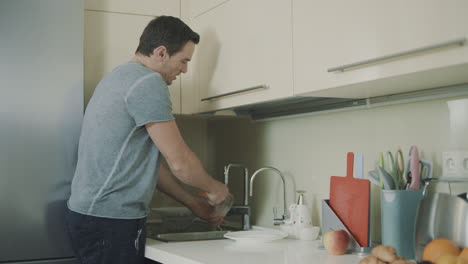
(228, 251)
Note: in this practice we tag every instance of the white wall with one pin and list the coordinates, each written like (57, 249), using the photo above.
(310, 149)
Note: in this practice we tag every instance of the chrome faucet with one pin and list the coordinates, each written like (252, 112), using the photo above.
(276, 221)
(246, 179)
(244, 209)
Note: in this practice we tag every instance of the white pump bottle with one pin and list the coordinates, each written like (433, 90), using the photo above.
(300, 216)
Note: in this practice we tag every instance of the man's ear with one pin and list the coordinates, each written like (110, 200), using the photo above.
(160, 52)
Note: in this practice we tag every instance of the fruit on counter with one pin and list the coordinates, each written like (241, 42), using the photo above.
(336, 242)
(439, 247)
(385, 253)
(425, 262)
(375, 260)
(464, 253)
(449, 259)
(402, 260)
(371, 260)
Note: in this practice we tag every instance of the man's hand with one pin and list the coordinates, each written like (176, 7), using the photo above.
(201, 208)
(218, 193)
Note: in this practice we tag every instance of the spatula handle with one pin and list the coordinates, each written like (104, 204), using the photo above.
(350, 165)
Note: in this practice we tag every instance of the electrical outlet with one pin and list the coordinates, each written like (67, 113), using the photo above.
(465, 164)
(455, 164)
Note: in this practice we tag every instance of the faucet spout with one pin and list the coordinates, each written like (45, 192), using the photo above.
(246, 179)
(282, 179)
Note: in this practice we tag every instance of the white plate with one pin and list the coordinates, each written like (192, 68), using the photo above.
(255, 236)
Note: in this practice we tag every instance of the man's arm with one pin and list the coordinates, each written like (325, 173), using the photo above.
(183, 163)
(199, 206)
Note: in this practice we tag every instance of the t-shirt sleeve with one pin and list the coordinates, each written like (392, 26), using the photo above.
(148, 100)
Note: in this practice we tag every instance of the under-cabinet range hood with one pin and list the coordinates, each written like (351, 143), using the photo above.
(295, 106)
(304, 105)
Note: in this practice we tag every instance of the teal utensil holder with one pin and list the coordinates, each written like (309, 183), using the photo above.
(398, 218)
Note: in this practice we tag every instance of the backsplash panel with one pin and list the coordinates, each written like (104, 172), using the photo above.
(310, 149)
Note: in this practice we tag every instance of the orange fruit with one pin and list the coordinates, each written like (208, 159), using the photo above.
(447, 259)
(462, 260)
(464, 253)
(439, 247)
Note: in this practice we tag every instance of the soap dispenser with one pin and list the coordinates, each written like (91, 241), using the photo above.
(300, 220)
(303, 215)
(303, 212)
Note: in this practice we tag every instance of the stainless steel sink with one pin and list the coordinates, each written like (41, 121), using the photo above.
(190, 236)
(197, 230)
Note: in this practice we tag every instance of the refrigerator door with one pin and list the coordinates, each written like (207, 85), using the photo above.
(41, 109)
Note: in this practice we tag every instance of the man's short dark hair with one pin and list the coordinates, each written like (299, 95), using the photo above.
(166, 31)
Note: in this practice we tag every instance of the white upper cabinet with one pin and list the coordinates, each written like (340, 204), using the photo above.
(198, 7)
(244, 55)
(111, 39)
(142, 7)
(409, 40)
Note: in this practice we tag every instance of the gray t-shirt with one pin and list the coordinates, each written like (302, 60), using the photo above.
(117, 161)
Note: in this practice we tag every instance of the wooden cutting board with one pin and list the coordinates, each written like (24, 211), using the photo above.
(350, 199)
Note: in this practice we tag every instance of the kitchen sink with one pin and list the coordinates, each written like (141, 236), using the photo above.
(174, 231)
(190, 236)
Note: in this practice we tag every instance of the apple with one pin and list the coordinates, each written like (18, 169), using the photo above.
(336, 242)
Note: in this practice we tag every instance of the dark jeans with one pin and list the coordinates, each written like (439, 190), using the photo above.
(99, 240)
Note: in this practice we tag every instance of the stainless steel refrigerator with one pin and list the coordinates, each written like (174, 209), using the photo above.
(41, 109)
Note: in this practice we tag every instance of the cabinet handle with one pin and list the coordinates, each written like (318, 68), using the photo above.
(263, 86)
(460, 41)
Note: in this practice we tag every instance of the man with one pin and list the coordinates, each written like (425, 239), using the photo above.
(127, 125)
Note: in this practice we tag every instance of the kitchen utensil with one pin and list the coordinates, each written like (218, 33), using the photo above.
(426, 174)
(349, 199)
(399, 169)
(426, 170)
(374, 178)
(359, 165)
(413, 177)
(386, 163)
(387, 179)
(393, 167)
(441, 215)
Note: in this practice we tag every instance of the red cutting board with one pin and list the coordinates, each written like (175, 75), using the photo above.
(349, 198)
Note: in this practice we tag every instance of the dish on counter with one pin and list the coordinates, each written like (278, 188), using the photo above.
(256, 236)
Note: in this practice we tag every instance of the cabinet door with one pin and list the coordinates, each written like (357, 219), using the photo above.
(110, 40)
(198, 7)
(243, 44)
(332, 33)
(142, 7)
